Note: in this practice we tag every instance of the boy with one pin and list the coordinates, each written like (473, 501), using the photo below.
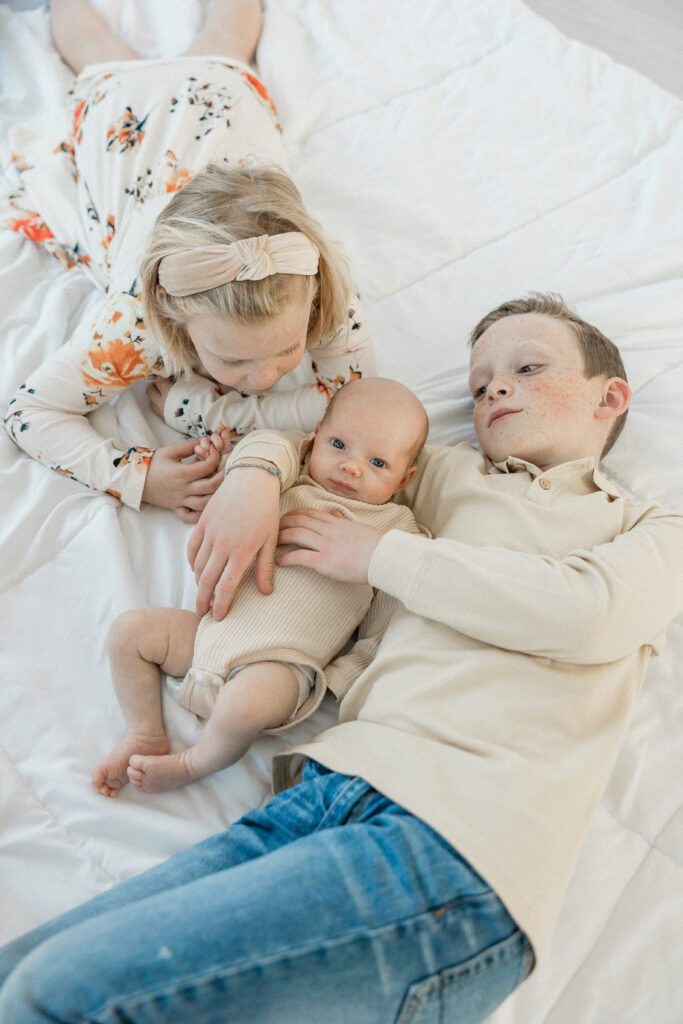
(417, 868)
(262, 668)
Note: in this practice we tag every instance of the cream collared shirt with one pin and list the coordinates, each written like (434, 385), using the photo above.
(504, 684)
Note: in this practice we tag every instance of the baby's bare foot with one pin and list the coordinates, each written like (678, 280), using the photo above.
(110, 775)
(154, 774)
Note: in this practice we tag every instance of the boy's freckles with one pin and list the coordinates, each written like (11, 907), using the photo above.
(532, 397)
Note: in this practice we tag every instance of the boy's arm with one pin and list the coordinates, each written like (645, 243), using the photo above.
(591, 607)
(341, 673)
(197, 406)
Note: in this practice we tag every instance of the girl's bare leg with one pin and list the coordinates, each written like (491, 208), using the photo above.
(141, 645)
(83, 37)
(232, 29)
(261, 696)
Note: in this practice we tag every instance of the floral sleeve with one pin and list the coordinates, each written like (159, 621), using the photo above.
(47, 414)
(197, 406)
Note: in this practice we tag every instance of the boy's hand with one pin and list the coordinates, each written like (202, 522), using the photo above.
(157, 392)
(183, 487)
(329, 543)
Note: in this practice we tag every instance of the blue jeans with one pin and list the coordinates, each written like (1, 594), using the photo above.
(329, 904)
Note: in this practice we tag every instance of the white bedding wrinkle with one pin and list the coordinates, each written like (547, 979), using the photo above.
(463, 154)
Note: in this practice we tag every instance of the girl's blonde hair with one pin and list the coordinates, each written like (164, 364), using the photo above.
(221, 205)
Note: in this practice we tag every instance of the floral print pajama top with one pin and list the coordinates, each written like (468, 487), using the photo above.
(138, 131)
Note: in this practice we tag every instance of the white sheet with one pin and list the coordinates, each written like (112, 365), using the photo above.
(464, 154)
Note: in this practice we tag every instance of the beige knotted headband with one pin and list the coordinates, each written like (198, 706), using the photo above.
(248, 259)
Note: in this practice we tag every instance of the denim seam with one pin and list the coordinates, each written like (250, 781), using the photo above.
(213, 976)
(502, 953)
(342, 797)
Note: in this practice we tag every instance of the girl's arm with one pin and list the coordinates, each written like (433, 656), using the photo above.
(197, 406)
(47, 416)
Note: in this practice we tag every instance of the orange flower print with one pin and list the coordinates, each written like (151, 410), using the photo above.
(65, 472)
(32, 227)
(140, 458)
(118, 363)
(176, 182)
(127, 132)
(20, 163)
(176, 176)
(258, 86)
(327, 386)
(78, 119)
(69, 256)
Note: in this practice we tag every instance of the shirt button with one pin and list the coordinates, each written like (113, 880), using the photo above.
(545, 484)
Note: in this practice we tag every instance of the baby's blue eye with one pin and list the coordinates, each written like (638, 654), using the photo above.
(528, 368)
(380, 463)
(336, 443)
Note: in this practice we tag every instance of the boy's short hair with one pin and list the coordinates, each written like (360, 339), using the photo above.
(600, 355)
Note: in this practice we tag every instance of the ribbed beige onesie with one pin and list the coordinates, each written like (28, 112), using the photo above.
(306, 620)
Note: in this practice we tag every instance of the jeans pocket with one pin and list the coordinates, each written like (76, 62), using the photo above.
(468, 992)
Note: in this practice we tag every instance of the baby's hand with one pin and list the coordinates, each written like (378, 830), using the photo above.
(210, 442)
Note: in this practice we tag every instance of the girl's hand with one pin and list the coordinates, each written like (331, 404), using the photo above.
(157, 392)
(239, 523)
(329, 543)
(183, 487)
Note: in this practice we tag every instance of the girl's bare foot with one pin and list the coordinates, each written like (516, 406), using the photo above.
(158, 774)
(110, 774)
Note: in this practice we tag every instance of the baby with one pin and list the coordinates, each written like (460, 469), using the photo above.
(270, 651)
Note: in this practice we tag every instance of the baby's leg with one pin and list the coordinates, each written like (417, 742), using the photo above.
(140, 644)
(261, 696)
(83, 37)
(232, 28)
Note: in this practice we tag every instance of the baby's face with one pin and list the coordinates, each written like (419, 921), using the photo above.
(532, 399)
(362, 452)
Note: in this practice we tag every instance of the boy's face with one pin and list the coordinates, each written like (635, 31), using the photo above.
(532, 398)
(362, 450)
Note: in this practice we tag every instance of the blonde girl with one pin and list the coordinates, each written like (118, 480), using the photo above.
(223, 294)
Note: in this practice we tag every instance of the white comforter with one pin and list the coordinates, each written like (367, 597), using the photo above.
(464, 153)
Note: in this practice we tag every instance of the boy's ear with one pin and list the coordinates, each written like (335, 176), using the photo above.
(615, 399)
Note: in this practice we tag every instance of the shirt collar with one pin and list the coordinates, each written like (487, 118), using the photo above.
(578, 469)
